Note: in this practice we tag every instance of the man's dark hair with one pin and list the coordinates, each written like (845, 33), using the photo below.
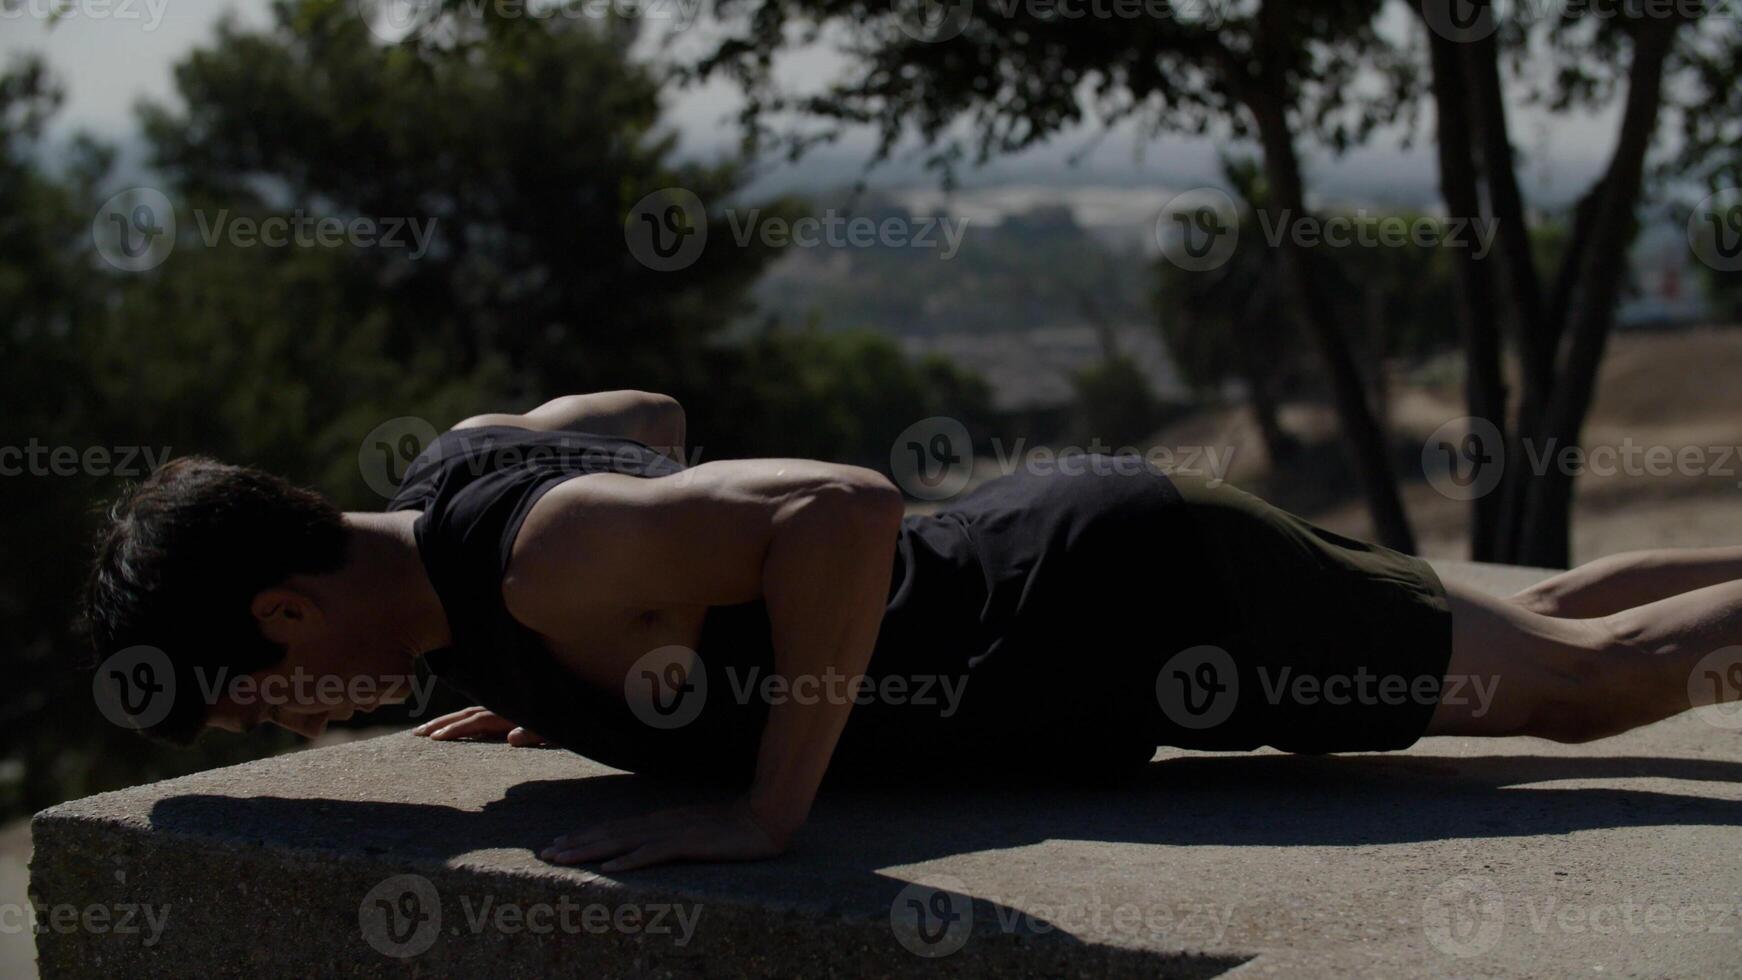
(179, 561)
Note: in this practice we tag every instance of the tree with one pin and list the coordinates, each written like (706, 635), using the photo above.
(1661, 59)
(1224, 324)
(1012, 74)
(1015, 74)
(524, 148)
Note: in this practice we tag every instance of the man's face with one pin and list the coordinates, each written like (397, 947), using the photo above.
(317, 683)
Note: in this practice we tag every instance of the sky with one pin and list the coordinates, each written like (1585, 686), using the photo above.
(113, 53)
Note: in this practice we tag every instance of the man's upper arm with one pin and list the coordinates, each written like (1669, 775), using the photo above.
(655, 419)
(696, 538)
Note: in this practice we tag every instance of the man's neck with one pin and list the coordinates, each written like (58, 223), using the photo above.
(384, 559)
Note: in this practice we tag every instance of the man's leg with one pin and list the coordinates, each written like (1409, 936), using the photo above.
(1623, 581)
(1574, 680)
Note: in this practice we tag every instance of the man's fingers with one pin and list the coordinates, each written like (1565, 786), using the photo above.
(582, 851)
(654, 852)
(447, 719)
(647, 826)
(484, 724)
(524, 738)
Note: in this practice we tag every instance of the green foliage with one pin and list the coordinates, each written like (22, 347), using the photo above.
(842, 395)
(1114, 403)
(1233, 322)
(525, 147)
(1017, 73)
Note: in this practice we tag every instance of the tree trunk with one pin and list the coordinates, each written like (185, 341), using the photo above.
(1484, 384)
(1259, 372)
(1537, 332)
(1363, 437)
(1547, 519)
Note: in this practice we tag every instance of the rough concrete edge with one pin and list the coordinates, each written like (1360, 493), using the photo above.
(810, 932)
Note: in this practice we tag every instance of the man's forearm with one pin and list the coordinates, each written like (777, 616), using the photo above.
(826, 584)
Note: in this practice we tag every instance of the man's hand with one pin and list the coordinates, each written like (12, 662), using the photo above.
(478, 723)
(692, 833)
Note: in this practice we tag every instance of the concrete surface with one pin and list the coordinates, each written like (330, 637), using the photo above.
(399, 857)
(17, 946)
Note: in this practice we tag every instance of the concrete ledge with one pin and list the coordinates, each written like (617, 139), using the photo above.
(401, 857)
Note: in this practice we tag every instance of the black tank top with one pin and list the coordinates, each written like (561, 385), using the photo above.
(1017, 633)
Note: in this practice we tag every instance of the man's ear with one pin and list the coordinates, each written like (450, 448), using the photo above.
(285, 615)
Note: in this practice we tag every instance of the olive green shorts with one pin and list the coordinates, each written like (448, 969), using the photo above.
(1325, 643)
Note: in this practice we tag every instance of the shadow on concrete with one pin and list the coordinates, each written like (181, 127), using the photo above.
(1224, 801)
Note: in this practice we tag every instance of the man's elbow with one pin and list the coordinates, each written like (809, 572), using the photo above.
(661, 421)
(864, 499)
